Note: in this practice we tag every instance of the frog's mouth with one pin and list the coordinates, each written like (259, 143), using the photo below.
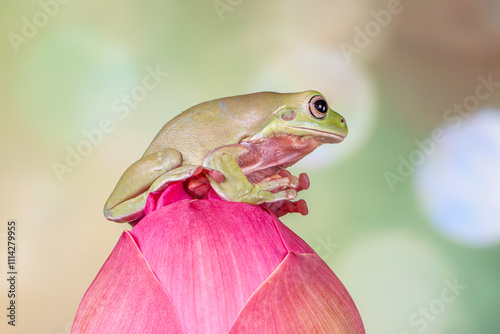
(331, 137)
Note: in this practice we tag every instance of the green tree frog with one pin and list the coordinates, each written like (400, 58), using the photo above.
(240, 146)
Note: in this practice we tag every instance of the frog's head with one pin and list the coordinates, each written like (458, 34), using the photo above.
(307, 114)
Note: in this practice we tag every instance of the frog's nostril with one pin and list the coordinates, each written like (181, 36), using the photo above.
(342, 120)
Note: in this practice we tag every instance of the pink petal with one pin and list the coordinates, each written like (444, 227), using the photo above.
(126, 297)
(292, 242)
(212, 266)
(210, 256)
(173, 193)
(302, 296)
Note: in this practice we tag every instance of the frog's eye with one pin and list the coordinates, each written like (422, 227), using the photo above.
(318, 106)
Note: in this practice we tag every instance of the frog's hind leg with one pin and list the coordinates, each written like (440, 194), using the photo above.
(180, 173)
(126, 202)
(133, 209)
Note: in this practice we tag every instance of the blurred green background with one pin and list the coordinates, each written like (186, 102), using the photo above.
(406, 211)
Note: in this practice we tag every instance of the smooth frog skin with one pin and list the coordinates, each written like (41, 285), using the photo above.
(240, 146)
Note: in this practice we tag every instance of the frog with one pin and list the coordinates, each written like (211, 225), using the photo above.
(239, 146)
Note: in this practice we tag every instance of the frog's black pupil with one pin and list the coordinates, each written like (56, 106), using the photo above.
(321, 106)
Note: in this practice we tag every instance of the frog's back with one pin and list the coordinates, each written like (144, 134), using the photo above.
(209, 125)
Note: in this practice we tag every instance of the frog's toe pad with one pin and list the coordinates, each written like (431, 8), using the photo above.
(304, 182)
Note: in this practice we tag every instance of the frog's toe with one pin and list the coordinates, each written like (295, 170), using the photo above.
(304, 182)
(298, 183)
(282, 195)
(215, 175)
(281, 208)
(276, 183)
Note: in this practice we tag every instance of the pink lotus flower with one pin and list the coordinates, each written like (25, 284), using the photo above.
(212, 266)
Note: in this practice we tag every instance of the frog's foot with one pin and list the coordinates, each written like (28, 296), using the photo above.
(237, 188)
(271, 189)
(282, 186)
(303, 179)
(283, 207)
(198, 185)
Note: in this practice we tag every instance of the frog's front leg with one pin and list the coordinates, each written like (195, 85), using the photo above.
(126, 202)
(236, 186)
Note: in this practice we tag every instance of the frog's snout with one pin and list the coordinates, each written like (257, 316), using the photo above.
(341, 121)
(341, 125)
